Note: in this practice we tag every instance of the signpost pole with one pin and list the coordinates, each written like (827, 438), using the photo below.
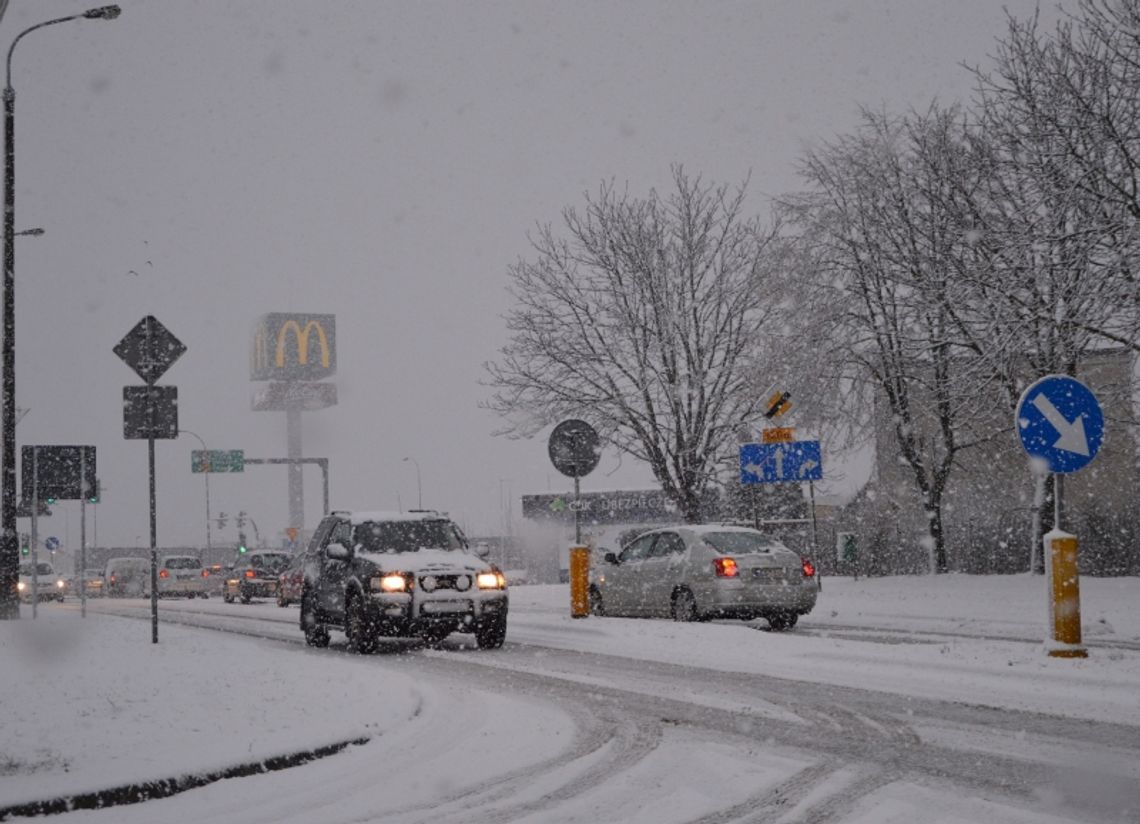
(577, 513)
(84, 492)
(35, 538)
(153, 520)
(1058, 491)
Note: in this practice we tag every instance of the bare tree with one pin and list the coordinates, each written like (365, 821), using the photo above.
(642, 316)
(886, 255)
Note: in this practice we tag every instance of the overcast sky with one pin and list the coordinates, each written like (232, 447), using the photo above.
(208, 161)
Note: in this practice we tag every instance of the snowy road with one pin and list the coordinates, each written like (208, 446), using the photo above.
(674, 736)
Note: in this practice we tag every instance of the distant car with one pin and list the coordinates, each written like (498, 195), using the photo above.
(127, 577)
(402, 575)
(254, 575)
(694, 573)
(291, 582)
(40, 582)
(91, 583)
(181, 575)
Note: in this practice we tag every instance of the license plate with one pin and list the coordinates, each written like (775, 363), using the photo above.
(443, 607)
(769, 575)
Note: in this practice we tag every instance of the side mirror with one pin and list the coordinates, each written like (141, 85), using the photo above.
(338, 552)
(610, 558)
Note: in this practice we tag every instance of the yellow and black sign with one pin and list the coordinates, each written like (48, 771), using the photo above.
(778, 404)
(289, 347)
(779, 434)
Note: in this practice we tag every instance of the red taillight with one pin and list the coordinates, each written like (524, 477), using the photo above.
(725, 567)
(113, 579)
(809, 567)
(205, 573)
(162, 573)
(249, 573)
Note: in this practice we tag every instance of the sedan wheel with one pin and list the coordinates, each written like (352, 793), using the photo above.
(782, 620)
(684, 606)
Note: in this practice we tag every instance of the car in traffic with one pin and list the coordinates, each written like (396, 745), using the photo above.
(254, 575)
(181, 575)
(378, 575)
(291, 582)
(127, 577)
(697, 572)
(91, 583)
(38, 581)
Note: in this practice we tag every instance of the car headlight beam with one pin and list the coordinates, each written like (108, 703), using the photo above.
(390, 582)
(490, 580)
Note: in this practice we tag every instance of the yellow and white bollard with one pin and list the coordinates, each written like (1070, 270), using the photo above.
(579, 581)
(1063, 590)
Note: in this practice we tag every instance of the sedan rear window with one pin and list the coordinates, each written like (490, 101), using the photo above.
(269, 563)
(183, 563)
(740, 543)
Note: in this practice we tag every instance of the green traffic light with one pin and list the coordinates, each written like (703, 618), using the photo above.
(241, 549)
(49, 501)
(24, 550)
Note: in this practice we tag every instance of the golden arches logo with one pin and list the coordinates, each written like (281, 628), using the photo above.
(301, 336)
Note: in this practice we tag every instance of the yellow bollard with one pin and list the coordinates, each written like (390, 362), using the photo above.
(579, 581)
(1062, 581)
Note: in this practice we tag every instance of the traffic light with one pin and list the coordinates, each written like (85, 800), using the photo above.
(25, 543)
(241, 543)
(49, 501)
(93, 494)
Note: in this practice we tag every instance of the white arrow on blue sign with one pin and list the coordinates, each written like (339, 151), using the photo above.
(1060, 421)
(51, 543)
(773, 463)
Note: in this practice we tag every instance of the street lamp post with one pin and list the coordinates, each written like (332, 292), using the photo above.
(419, 488)
(206, 477)
(9, 540)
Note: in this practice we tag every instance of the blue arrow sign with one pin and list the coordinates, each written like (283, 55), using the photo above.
(1060, 421)
(773, 463)
(51, 543)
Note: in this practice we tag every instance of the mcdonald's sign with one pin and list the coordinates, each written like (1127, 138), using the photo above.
(289, 347)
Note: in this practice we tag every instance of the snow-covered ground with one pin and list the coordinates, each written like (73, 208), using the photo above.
(91, 704)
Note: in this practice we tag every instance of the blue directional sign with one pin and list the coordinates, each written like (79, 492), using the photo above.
(773, 463)
(1060, 422)
(51, 543)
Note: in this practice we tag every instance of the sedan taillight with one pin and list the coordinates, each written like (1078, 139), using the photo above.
(205, 573)
(162, 573)
(809, 567)
(249, 573)
(725, 567)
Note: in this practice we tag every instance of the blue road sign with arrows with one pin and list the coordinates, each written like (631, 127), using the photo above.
(1060, 422)
(773, 463)
(51, 543)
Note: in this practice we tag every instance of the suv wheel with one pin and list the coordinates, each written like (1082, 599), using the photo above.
(360, 632)
(597, 605)
(491, 632)
(316, 633)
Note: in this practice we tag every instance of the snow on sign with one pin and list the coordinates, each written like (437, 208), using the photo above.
(1060, 422)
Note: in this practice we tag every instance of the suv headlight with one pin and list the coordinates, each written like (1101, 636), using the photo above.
(491, 580)
(390, 582)
(21, 586)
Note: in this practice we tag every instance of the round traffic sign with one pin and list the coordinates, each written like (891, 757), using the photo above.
(51, 543)
(1060, 422)
(574, 448)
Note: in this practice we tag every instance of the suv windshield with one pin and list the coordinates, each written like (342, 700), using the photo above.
(406, 536)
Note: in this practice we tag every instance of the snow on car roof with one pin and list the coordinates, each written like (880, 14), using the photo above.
(363, 516)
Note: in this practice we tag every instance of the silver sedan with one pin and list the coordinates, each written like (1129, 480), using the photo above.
(696, 572)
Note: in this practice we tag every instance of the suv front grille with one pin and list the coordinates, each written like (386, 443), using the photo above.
(460, 583)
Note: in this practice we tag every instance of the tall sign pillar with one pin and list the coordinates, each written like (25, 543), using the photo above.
(291, 357)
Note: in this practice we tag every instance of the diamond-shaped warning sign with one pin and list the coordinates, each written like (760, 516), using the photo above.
(149, 349)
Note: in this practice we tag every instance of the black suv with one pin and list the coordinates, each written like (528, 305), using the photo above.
(409, 574)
